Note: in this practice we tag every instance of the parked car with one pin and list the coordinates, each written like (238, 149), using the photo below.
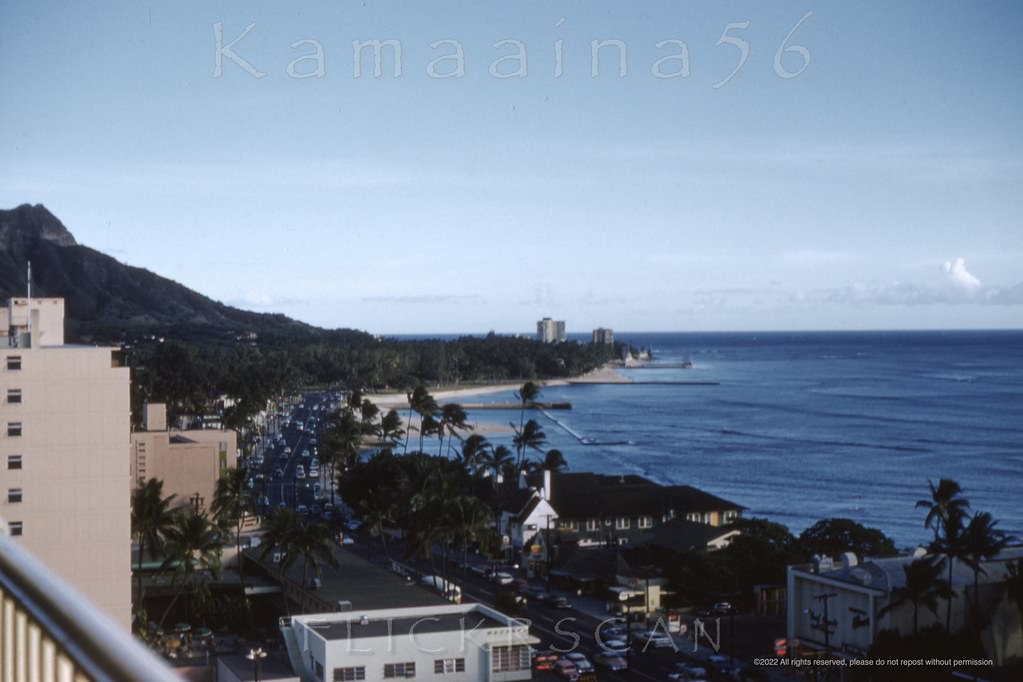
(722, 608)
(611, 660)
(299, 471)
(557, 602)
(653, 640)
(302, 509)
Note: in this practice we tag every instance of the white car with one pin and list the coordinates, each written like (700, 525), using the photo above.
(314, 472)
(299, 471)
(502, 579)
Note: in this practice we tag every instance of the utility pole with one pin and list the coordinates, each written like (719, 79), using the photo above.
(826, 624)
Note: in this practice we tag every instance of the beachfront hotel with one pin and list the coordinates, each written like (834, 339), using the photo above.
(63, 453)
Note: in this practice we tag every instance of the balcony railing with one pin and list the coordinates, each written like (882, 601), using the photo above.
(49, 633)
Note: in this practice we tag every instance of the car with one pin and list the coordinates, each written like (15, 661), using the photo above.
(315, 508)
(353, 524)
(305, 454)
(347, 540)
(299, 471)
(691, 671)
(722, 608)
(302, 509)
(287, 449)
(481, 571)
(653, 640)
(611, 660)
(616, 645)
(544, 659)
(557, 602)
(566, 669)
(582, 663)
(502, 579)
(278, 472)
(613, 632)
(314, 472)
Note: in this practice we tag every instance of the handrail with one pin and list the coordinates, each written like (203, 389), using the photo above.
(83, 638)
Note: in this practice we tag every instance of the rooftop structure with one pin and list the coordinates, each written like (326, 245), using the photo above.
(450, 642)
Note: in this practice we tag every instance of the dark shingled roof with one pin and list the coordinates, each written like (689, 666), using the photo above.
(587, 495)
(679, 535)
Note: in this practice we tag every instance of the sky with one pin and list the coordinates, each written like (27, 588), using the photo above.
(749, 166)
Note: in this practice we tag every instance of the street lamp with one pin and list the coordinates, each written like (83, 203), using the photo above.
(255, 655)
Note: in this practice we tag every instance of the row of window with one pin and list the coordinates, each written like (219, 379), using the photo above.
(357, 673)
(13, 363)
(14, 429)
(619, 523)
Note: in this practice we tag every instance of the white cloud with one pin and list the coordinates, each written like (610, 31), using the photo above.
(960, 278)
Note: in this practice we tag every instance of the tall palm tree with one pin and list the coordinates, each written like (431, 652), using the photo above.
(946, 512)
(530, 436)
(554, 460)
(422, 403)
(368, 412)
(452, 419)
(315, 546)
(923, 588)
(473, 452)
(427, 427)
(230, 504)
(193, 547)
(151, 520)
(981, 541)
(498, 460)
(526, 396)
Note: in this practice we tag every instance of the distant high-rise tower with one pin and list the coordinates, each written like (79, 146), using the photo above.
(550, 331)
(65, 416)
(604, 336)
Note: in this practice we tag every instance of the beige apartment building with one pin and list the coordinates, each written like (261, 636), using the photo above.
(188, 462)
(65, 419)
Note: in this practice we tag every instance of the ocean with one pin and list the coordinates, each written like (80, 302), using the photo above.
(798, 427)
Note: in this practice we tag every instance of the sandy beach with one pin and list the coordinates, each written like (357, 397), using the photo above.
(607, 374)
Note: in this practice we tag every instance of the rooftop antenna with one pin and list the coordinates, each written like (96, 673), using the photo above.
(30, 279)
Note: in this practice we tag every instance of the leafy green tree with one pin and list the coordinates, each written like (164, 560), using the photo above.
(831, 537)
(151, 521)
(923, 588)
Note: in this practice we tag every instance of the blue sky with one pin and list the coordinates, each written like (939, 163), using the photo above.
(878, 188)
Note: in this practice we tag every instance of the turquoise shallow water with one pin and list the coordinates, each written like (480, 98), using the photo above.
(804, 426)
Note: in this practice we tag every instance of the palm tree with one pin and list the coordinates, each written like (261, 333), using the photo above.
(526, 395)
(427, 427)
(230, 504)
(452, 419)
(368, 412)
(981, 541)
(498, 460)
(151, 519)
(532, 436)
(474, 450)
(946, 511)
(422, 403)
(192, 548)
(315, 546)
(923, 588)
(390, 426)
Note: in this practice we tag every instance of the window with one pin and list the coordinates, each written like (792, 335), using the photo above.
(14, 363)
(16, 527)
(13, 428)
(530, 526)
(568, 525)
(731, 515)
(399, 670)
(448, 665)
(14, 395)
(13, 495)
(351, 674)
(693, 516)
(592, 524)
(505, 659)
(646, 522)
(317, 668)
(13, 461)
(622, 523)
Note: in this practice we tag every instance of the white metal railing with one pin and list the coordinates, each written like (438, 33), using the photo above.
(50, 633)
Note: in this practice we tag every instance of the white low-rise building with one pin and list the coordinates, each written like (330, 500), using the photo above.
(453, 643)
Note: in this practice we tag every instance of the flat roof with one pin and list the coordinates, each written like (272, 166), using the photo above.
(420, 625)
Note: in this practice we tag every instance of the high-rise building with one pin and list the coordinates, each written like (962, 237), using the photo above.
(550, 331)
(65, 419)
(604, 336)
